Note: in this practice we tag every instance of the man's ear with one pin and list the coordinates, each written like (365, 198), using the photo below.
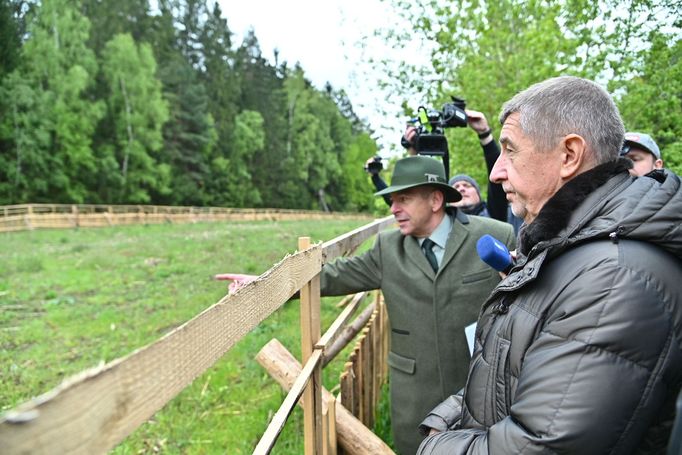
(574, 156)
(437, 200)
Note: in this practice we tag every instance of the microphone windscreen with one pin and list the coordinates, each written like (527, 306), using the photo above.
(494, 253)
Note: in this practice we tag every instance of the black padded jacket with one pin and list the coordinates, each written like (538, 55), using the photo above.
(579, 349)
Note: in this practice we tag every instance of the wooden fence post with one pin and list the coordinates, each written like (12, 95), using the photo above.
(358, 389)
(310, 335)
(74, 213)
(376, 356)
(352, 435)
(367, 378)
(331, 424)
(29, 217)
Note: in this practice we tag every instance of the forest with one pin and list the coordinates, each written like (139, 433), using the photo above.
(139, 102)
(111, 102)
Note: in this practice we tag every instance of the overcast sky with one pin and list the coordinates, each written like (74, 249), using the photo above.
(322, 35)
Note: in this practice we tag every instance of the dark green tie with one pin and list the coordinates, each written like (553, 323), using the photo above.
(427, 247)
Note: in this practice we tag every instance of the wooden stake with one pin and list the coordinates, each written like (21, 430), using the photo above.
(310, 335)
(352, 435)
(331, 423)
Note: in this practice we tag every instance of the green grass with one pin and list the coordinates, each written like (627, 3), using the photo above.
(70, 299)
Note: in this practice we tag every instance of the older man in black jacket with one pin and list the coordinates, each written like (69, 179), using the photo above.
(579, 348)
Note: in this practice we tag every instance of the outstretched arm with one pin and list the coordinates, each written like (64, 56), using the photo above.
(239, 280)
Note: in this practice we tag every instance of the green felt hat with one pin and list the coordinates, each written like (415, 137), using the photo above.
(420, 170)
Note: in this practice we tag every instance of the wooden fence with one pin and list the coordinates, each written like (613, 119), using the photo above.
(339, 424)
(367, 369)
(60, 216)
(95, 410)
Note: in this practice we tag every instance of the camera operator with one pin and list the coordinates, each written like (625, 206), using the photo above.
(496, 206)
(373, 166)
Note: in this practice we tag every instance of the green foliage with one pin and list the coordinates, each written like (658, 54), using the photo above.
(115, 103)
(357, 185)
(109, 19)
(10, 37)
(25, 140)
(231, 180)
(52, 81)
(135, 115)
(382, 425)
(652, 102)
(262, 90)
(486, 51)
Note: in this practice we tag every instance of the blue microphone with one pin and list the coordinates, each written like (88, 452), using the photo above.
(494, 253)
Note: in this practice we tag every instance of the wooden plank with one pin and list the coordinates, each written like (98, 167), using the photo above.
(352, 435)
(359, 389)
(386, 338)
(347, 334)
(272, 432)
(93, 411)
(345, 243)
(344, 301)
(331, 424)
(310, 334)
(336, 327)
(316, 383)
(325, 428)
(346, 383)
(353, 358)
(380, 339)
(366, 378)
(375, 360)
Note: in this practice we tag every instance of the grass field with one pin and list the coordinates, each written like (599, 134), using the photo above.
(70, 299)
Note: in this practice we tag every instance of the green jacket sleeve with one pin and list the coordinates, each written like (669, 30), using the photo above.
(355, 274)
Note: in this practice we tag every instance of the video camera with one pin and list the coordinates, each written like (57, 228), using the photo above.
(375, 166)
(430, 135)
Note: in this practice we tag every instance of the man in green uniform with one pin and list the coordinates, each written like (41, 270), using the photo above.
(433, 283)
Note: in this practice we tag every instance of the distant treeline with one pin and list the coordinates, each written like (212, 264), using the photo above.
(138, 102)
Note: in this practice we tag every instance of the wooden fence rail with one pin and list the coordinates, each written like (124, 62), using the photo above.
(64, 216)
(94, 411)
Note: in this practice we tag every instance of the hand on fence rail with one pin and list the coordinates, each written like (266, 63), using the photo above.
(239, 280)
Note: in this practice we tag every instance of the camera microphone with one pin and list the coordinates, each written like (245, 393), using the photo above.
(494, 253)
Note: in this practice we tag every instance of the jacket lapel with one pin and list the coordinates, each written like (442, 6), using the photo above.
(414, 252)
(458, 234)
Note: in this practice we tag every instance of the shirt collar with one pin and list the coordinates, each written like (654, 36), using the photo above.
(441, 233)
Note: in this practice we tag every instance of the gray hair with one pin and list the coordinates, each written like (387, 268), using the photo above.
(559, 106)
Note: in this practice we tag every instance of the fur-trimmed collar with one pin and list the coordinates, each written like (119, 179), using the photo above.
(555, 214)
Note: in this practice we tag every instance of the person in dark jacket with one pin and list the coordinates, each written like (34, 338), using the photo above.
(579, 349)
(472, 203)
